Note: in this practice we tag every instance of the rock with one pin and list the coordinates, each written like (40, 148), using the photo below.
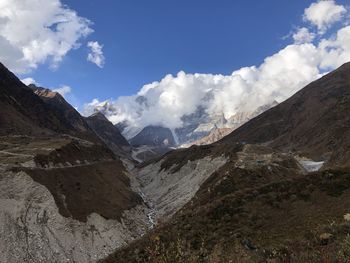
(247, 243)
(325, 238)
(347, 217)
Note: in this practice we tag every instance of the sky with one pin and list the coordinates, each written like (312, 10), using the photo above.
(92, 51)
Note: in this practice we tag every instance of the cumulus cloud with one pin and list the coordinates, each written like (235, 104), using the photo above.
(64, 90)
(28, 81)
(167, 101)
(279, 76)
(303, 35)
(324, 13)
(35, 32)
(96, 54)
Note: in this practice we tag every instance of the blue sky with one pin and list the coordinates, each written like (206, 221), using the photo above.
(224, 56)
(145, 40)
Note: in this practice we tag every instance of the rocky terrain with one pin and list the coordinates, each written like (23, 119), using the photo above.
(53, 210)
(314, 122)
(152, 142)
(65, 196)
(109, 134)
(213, 136)
(280, 193)
(275, 189)
(198, 129)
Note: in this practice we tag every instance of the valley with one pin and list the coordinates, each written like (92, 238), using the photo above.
(174, 131)
(268, 185)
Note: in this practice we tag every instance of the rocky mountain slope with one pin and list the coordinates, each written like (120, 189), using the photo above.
(65, 196)
(152, 142)
(213, 136)
(96, 124)
(65, 111)
(279, 193)
(313, 122)
(199, 128)
(23, 112)
(154, 136)
(109, 134)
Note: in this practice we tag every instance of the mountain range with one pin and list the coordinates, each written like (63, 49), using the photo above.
(272, 185)
(274, 190)
(195, 126)
(64, 189)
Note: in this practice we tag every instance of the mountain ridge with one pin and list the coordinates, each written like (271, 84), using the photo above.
(263, 204)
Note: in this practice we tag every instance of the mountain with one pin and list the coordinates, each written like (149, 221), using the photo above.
(62, 108)
(213, 136)
(109, 134)
(63, 192)
(88, 128)
(314, 122)
(221, 128)
(194, 126)
(274, 190)
(152, 142)
(154, 136)
(23, 112)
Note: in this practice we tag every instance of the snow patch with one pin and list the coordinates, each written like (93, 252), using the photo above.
(311, 166)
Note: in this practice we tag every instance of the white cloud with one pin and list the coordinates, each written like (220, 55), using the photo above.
(336, 50)
(324, 13)
(303, 35)
(28, 81)
(64, 90)
(165, 102)
(96, 54)
(35, 32)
